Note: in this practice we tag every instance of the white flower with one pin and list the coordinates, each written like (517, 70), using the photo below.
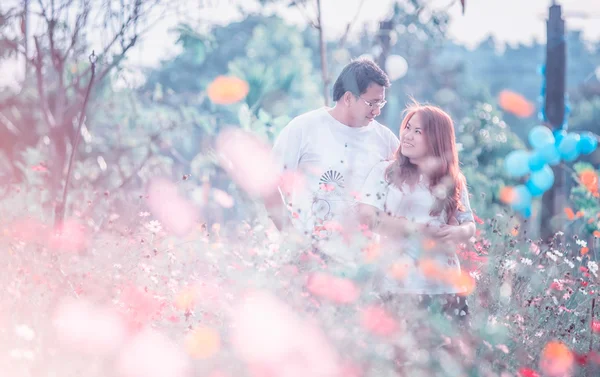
(146, 268)
(581, 243)
(144, 214)
(559, 233)
(21, 354)
(526, 261)
(153, 226)
(551, 256)
(593, 266)
(558, 253)
(475, 275)
(25, 332)
(571, 264)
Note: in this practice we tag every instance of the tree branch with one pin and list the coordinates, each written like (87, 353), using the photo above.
(349, 26)
(61, 206)
(38, 64)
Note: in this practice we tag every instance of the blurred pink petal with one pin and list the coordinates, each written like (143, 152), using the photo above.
(338, 290)
(222, 198)
(28, 230)
(248, 160)
(177, 214)
(71, 236)
(84, 327)
(273, 340)
(376, 320)
(140, 308)
(151, 354)
(291, 181)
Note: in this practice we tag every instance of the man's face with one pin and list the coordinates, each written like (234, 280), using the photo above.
(367, 106)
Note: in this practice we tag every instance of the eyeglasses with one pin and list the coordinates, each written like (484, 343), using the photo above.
(379, 104)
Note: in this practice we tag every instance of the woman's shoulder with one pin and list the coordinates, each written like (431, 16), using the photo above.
(381, 167)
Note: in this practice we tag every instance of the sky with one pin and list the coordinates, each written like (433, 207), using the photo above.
(509, 21)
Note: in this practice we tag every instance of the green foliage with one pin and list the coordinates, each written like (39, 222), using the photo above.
(484, 140)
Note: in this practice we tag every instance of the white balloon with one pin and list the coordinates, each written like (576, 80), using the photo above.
(396, 67)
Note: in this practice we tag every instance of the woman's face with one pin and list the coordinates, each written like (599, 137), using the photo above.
(413, 140)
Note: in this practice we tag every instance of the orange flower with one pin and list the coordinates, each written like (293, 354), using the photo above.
(428, 244)
(596, 234)
(226, 90)
(584, 250)
(589, 179)
(515, 103)
(399, 270)
(185, 300)
(371, 252)
(431, 269)
(507, 194)
(203, 343)
(570, 214)
(463, 281)
(557, 359)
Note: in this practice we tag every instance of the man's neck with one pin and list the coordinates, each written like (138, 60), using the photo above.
(340, 115)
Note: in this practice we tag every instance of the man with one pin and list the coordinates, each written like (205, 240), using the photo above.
(333, 149)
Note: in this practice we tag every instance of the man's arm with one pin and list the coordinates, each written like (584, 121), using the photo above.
(287, 151)
(276, 209)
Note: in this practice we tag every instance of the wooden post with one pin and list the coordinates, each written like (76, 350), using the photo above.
(323, 52)
(553, 201)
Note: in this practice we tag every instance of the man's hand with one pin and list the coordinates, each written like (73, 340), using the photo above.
(454, 233)
(277, 211)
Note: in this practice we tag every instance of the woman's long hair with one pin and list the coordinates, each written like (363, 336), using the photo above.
(438, 130)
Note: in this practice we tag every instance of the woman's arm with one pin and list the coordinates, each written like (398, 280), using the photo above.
(385, 224)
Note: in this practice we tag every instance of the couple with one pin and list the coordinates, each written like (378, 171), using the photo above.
(401, 189)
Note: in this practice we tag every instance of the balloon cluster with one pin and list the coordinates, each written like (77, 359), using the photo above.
(549, 149)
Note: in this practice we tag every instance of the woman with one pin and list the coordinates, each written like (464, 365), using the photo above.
(418, 203)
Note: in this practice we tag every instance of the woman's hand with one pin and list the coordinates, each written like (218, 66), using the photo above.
(454, 233)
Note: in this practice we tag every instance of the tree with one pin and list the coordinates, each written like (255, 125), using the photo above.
(52, 96)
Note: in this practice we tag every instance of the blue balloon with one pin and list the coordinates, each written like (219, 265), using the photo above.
(568, 147)
(534, 190)
(542, 179)
(587, 143)
(558, 136)
(541, 70)
(526, 212)
(540, 136)
(516, 163)
(536, 161)
(522, 198)
(550, 154)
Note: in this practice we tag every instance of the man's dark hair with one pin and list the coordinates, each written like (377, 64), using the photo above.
(357, 76)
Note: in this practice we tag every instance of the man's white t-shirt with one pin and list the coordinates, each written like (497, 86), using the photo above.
(414, 204)
(333, 159)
